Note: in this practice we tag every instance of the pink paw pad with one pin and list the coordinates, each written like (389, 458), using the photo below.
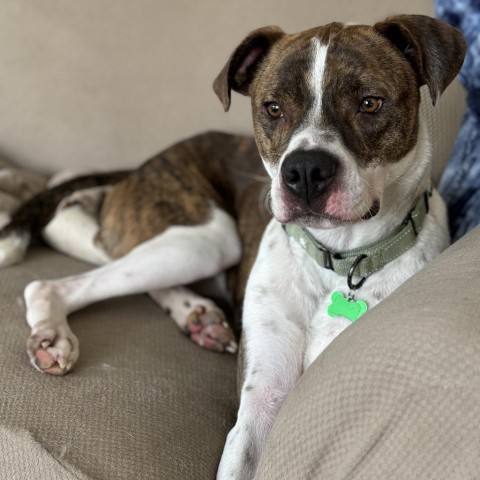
(45, 357)
(209, 329)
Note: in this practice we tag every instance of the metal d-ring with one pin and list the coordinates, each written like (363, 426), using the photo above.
(351, 285)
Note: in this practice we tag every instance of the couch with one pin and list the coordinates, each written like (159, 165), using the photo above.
(104, 85)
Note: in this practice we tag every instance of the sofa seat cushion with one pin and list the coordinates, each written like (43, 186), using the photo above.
(142, 402)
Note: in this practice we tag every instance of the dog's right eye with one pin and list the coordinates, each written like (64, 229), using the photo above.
(274, 110)
(371, 105)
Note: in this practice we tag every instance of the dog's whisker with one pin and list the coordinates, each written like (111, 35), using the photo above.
(368, 185)
(405, 181)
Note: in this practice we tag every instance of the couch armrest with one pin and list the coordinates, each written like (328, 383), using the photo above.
(397, 395)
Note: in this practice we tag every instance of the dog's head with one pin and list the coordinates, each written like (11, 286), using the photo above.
(335, 109)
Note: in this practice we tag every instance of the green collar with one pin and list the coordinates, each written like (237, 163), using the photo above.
(366, 260)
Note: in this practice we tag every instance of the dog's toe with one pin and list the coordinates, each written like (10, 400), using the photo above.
(53, 351)
(208, 328)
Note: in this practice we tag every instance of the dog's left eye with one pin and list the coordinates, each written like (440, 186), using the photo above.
(371, 105)
(273, 109)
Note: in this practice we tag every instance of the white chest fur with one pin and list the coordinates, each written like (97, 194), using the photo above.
(287, 287)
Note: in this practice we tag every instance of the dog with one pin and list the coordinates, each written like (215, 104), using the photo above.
(338, 130)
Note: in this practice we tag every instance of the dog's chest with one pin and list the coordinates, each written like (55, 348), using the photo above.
(316, 296)
(332, 310)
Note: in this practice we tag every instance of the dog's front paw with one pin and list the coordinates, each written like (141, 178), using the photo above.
(208, 328)
(53, 348)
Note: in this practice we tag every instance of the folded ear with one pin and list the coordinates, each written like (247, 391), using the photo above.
(240, 69)
(434, 48)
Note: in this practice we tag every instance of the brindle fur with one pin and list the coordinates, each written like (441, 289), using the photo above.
(178, 186)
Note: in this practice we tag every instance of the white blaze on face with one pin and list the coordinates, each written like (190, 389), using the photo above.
(316, 77)
(307, 135)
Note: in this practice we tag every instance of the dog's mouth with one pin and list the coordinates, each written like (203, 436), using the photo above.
(372, 211)
(322, 215)
(317, 220)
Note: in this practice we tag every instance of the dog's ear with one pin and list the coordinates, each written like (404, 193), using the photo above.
(434, 48)
(241, 67)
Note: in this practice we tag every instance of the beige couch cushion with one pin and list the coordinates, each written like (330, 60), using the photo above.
(143, 402)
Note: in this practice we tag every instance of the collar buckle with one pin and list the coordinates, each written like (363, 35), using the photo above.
(354, 286)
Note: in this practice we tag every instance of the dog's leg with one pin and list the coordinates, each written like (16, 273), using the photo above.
(274, 344)
(179, 256)
(198, 317)
(273, 367)
(74, 228)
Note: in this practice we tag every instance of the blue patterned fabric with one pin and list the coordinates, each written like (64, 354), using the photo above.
(460, 184)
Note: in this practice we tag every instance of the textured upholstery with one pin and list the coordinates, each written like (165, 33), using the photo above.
(143, 401)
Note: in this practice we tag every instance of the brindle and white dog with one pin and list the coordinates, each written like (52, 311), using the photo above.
(337, 125)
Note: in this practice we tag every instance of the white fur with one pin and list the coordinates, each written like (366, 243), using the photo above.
(73, 231)
(74, 228)
(317, 74)
(12, 249)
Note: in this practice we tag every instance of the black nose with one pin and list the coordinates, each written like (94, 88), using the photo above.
(308, 173)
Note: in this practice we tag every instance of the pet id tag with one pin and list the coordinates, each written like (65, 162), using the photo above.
(346, 307)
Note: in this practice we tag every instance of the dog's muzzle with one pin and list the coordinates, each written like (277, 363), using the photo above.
(308, 173)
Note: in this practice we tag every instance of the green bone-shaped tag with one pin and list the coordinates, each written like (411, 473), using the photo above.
(343, 307)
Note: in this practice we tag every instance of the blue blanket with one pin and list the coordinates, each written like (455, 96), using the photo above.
(460, 184)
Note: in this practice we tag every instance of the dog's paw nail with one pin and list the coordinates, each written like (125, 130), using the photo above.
(62, 363)
(232, 347)
(56, 370)
(207, 342)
